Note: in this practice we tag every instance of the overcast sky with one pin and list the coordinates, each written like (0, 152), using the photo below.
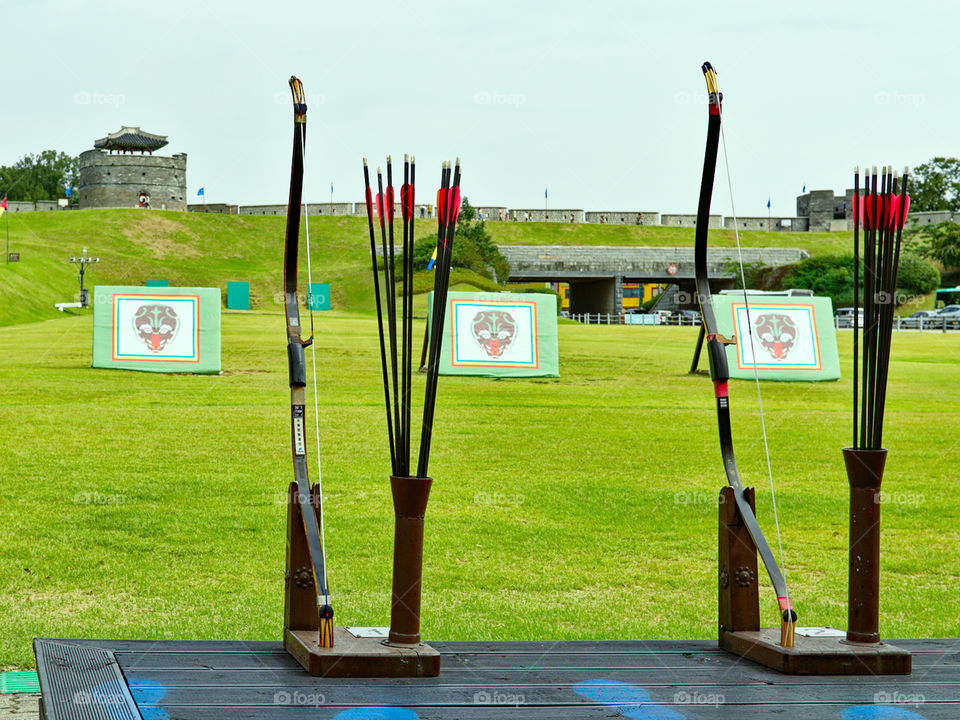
(602, 102)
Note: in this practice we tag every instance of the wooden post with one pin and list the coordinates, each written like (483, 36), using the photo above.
(410, 495)
(300, 590)
(739, 592)
(865, 472)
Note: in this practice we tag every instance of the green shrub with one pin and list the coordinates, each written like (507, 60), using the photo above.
(473, 248)
(917, 276)
(829, 275)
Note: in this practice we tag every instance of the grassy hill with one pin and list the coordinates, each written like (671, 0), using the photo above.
(196, 249)
(523, 233)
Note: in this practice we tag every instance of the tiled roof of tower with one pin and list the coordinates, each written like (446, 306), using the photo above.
(131, 138)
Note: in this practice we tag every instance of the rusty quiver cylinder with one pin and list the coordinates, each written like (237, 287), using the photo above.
(410, 495)
(865, 472)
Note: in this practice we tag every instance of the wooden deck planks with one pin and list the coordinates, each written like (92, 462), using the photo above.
(662, 679)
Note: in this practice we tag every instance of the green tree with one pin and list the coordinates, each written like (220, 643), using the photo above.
(935, 185)
(473, 248)
(39, 177)
(940, 242)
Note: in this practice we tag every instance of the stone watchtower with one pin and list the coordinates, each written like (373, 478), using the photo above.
(114, 175)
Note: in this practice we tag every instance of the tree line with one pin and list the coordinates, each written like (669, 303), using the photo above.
(39, 177)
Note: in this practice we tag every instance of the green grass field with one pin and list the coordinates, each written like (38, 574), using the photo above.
(151, 506)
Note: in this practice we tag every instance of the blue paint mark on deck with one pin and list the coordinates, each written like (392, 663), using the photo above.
(376, 713)
(879, 712)
(148, 695)
(631, 701)
(145, 694)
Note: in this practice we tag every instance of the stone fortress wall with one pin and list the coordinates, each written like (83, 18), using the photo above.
(116, 180)
(555, 215)
(817, 211)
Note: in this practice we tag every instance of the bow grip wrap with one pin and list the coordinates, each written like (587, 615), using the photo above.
(718, 360)
(297, 363)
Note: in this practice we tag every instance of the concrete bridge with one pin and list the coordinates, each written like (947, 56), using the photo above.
(596, 273)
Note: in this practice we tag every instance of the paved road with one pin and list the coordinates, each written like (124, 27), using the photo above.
(20, 706)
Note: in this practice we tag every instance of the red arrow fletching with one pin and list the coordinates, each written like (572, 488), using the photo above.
(900, 206)
(441, 205)
(380, 207)
(390, 204)
(456, 204)
(875, 211)
(406, 201)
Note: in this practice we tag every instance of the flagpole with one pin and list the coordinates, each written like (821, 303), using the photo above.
(6, 217)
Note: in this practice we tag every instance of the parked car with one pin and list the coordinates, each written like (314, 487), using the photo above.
(844, 317)
(949, 314)
(688, 317)
(914, 321)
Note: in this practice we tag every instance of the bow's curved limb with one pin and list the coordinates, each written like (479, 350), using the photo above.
(309, 509)
(719, 371)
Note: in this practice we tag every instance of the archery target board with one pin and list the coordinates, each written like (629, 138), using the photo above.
(499, 335)
(170, 330)
(784, 338)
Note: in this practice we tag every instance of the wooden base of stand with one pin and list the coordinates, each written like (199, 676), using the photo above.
(817, 655)
(739, 614)
(353, 657)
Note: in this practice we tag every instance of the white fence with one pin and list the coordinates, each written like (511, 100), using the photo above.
(935, 324)
(634, 319)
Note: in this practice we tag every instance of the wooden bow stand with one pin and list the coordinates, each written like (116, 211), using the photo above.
(814, 651)
(401, 654)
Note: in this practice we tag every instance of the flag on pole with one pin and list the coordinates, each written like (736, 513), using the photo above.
(3, 205)
(331, 187)
(804, 188)
(433, 260)
(545, 193)
(200, 192)
(768, 203)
